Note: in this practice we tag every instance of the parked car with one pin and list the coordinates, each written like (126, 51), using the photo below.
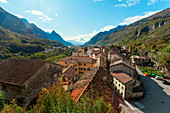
(159, 78)
(166, 82)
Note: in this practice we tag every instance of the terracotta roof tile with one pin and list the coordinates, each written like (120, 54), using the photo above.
(79, 87)
(68, 72)
(123, 77)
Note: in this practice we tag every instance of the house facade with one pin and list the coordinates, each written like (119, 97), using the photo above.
(23, 79)
(123, 84)
(123, 66)
(82, 64)
(69, 77)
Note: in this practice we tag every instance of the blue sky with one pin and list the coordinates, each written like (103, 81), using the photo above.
(81, 19)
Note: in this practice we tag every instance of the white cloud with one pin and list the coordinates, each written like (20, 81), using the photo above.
(3, 1)
(82, 38)
(44, 29)
(130, 20)
(43, 17)
(120, 5)
(97, 0)
(106, 28)
(86, 37)
(129, 3)
(47, 30)
(132, 2)
(151, 2)
(34, 12)
(19, 16)
(56, 14)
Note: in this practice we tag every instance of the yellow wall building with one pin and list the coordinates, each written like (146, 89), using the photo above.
(82, 64)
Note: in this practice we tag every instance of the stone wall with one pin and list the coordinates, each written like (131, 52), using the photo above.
(137, 94)
(40, 79)
(129, 89)
(123, 68)
(12, 91)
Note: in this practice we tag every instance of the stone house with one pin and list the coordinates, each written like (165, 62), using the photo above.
(68, 76)
(112, 55)
(76, 54)
(123, 84)
(139, 60)
(126, 80)
(92, 50)
(123, 66)
(82, 64)
(81, 50)
(23, 79)
(102, 61)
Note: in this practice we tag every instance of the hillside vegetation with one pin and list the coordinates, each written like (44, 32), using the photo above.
(56, 100)
(155, 27)
(14, 44)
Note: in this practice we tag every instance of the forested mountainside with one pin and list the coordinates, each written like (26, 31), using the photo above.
(98, 36)
(42, 34)
(22, 26)
(155, 27)
(15, 44)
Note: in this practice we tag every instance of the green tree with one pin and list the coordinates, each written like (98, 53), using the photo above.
(2, 100)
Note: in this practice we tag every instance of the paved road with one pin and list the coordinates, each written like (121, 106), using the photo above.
(157, 97)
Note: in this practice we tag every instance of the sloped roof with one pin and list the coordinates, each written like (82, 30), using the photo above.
(78, 59)
(17, 71)
(68, 72)
(79, 54)
(122, 62)
(123, 77)
(79, 87)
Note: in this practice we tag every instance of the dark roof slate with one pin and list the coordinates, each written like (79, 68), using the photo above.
(17, 71)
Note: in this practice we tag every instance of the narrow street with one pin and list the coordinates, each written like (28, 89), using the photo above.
(156, 97)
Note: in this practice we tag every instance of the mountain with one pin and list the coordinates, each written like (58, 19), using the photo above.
(42, 34)
(22, 26)
(75, 42)
(13, 23)
(155, 27)
(14, 44)
(56, 36)
(97, 38)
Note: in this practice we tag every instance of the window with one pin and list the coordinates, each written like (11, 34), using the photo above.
(80, 63)
(84, 64)
(76, 69)
(80, 72)
(119, 84)
(88, 69)
(116, 82)
(75, 64)
(122, 87)
(80, 68)
(84, 69)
